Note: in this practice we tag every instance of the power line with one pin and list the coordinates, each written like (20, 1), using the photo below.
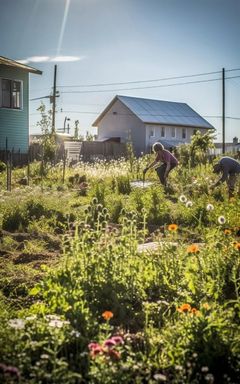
(150, 86)
(145, 81)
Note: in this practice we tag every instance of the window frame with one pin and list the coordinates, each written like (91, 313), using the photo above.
(163, 130)
(20, 82)
(184, 133)
(152, 129)
(173, 129)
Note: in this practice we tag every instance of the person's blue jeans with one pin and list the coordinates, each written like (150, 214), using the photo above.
(161, 172)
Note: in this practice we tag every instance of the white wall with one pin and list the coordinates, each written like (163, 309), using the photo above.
(168, 133)
(119, 121)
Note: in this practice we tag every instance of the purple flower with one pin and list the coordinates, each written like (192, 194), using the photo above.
(92, 346)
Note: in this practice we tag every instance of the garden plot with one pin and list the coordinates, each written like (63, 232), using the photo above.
(138, 285)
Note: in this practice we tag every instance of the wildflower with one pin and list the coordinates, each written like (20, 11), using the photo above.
(195, 311)
(205, 369)
(184, 308)
(237, 246)
(96, 351)
(57, 323)
(206, 306)
(117, 339)
(189, 204)
(107, 315)
(115, 355)
(92, 346)
(109, 343)
(227, 231)
(172, 227)
(210, 207)
(183, 199)
(194, 248)
(221, 220)
(160, 377)
(17, 323)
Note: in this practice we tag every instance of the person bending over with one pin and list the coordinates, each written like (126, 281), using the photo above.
(166, 158)
(230, 169)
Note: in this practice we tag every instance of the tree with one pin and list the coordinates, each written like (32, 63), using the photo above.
(48, 139)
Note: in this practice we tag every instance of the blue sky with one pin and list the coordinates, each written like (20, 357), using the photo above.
(112, 41)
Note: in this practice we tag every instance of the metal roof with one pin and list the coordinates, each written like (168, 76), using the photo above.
(160, 112)
(15, 64)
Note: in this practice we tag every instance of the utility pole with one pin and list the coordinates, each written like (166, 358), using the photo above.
(223, 110)
(54, 98)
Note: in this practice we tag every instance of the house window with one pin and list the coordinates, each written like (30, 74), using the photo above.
(11, 93)
(173, 132)
(162, 131)
(152, 132)
(184, 133)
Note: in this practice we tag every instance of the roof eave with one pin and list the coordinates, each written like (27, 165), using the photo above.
(15, 64)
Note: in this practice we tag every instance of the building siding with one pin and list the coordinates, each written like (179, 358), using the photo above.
(14, 124)
(119, 121)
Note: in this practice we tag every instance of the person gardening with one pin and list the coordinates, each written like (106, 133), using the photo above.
(230, 169)
(165, 157)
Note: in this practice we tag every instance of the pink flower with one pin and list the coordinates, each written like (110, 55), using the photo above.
(92, 346)
(117, 339)
(109, 343)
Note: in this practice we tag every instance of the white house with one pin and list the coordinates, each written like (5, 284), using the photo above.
(145, 121)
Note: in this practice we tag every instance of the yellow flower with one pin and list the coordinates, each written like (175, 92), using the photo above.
(195, 312)
(193, 248)
(206, 306)
(107, 315)
(172, 227)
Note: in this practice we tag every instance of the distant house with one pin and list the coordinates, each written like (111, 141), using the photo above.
(14, 104)
(145, 121)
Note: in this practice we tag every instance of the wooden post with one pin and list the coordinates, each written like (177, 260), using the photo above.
(64, 164)
(223, 110)
(54, 98)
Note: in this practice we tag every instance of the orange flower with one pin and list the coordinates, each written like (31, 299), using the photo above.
(107, 315)
(237, 246)
(172, 227)
(227, 232)
(193, 248)
(184, 308)
(195, 311)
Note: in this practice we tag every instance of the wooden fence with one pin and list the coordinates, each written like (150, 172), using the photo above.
(90, 150)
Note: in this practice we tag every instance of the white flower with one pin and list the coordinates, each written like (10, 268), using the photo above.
(221, 220)
(31, 318)
(17, 323)
(57, 323)
(189, 204)
(183, 199)
(210, 207)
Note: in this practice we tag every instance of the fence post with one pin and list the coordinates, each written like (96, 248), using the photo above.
(64, 164)
(28, 167)
(9, 171)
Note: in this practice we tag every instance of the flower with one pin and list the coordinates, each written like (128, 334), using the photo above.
(115, 355)
(96, 351)
(210, 207)
(183, 199)
(109, 343)
(117, 339)
(189, 204)
(227, 231)
(237, 246)
(92, 346)
(17, 323)
(172, 227)
(221, 220)
(206, 306)
(194, 248)
(107, 315)
(195, 311)
(184, 308)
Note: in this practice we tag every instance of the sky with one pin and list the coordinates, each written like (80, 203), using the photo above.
(99, 42)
